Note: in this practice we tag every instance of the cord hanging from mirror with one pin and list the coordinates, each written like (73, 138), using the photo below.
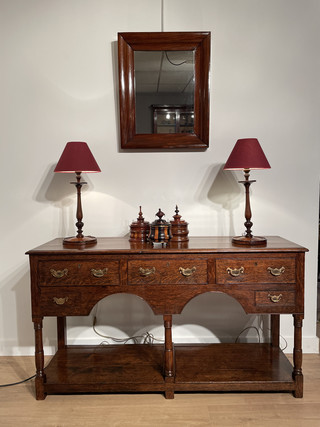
(161, 12)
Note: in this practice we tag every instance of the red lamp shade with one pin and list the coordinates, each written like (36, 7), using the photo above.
(77, 157)
(247, 154)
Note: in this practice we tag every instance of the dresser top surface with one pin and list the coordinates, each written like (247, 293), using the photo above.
(214, 244)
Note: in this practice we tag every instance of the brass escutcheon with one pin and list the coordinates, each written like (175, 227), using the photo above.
(59, 273)
(235, 272)
(146, 271)
(187, 271)
(275, 298)
(60, 301)
(276, 271)
(99, 272)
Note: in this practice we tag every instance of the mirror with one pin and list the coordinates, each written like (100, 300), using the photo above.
(164, 90)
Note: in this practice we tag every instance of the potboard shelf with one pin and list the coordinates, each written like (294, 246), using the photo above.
(138, 367)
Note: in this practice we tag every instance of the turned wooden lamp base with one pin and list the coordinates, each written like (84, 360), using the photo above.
(75, 242)
(249, 241)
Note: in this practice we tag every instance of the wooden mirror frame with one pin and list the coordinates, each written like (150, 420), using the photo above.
(199, 42)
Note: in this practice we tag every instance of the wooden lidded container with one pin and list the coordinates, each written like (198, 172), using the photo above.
(179, 228)
(160, 230)
(139, 230)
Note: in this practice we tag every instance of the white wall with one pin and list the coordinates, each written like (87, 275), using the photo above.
(59, 83)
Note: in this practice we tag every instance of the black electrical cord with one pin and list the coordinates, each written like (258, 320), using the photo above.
(19, 382)
(172, 63)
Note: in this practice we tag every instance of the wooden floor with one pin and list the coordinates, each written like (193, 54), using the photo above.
(18, 406)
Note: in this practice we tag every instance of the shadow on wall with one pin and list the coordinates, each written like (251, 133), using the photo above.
(220, 187)
(56, 189)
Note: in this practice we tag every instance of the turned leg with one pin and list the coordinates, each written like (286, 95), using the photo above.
(39, 359)
(297, 355)
(168, 357)
(61, 332)
(275, 330)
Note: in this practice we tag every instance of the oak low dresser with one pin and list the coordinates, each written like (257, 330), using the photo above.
(264, 280)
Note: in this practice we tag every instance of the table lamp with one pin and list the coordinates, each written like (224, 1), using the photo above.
(247, 154)
(77, 158)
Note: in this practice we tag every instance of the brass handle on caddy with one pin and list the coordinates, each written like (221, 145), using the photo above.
(275, 298)
(59, 273)
(187, 271)
(99, 272)
(276, 271)
(146, 271)
(60, 301)
(235, 272)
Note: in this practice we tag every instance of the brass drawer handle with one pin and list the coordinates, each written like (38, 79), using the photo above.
(58, 273)
(275, 298)
(60, 301)
(276, 271)
(187, 271)
(99, 273)
(146, 271)
(235, 272)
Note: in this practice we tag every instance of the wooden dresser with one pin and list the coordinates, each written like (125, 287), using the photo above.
(264, 280)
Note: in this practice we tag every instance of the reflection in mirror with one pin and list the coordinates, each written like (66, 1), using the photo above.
(164, 91)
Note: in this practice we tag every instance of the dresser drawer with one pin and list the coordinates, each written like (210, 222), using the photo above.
(77, 273)
(62, 302)
(185, 271)
(255, 270)
(275, 298)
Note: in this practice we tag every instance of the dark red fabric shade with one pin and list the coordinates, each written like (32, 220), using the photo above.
(77, 157)
(247, 154)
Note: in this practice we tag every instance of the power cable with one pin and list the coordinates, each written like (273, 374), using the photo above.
(18, 382)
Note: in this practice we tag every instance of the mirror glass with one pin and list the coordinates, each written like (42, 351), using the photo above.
(164, 91)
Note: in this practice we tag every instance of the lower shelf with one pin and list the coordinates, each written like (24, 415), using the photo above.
(107, 368)
(139, 368)
(232, 367)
